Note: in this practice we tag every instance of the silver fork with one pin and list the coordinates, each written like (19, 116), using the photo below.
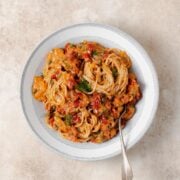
(126, 169)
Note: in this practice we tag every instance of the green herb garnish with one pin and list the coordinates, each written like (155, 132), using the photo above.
(94, 53)
(72, 45)
(100, 62)
(68, 119)
(83, 86)
(114, 72)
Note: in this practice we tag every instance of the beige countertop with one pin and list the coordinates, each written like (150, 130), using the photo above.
(155, 24)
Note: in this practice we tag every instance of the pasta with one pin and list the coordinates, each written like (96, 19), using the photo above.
(84, 88)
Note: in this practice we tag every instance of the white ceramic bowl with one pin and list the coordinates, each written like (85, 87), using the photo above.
(142, 66)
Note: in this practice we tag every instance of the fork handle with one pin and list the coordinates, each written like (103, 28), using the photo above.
(126, 168)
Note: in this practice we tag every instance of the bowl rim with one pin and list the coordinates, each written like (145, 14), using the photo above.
(140, 49)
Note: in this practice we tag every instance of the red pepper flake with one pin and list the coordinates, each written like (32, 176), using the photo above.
(86, 56)
(76, 103)
(90, 47)
(96, 101)
(58, 71)
(71, 83)
(115, 113)
(76, 119)
(104, 120)
(51, 121)
(105, 55)
(71, 54)
(66, 46)
(61, 110)
(54, 77)
(79, 94)
(96, 104)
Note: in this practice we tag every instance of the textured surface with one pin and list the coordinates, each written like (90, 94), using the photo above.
(155, 24)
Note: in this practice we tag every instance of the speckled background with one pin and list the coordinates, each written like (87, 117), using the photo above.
(155, 24)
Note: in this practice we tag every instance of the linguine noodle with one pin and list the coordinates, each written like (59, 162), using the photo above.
(84, 88)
